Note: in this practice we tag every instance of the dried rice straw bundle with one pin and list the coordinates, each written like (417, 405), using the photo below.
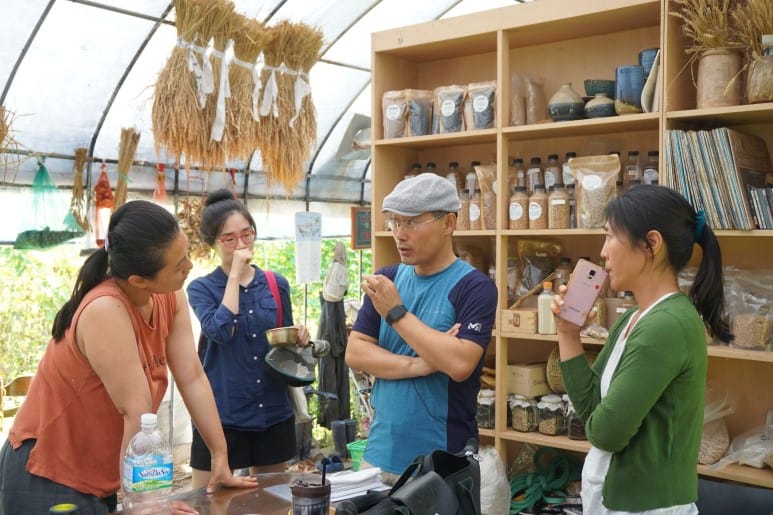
(189, 216)
(126, 150)
(78, 200)
(250, 39)
(285, 148)
(179, 123)
(10, 162)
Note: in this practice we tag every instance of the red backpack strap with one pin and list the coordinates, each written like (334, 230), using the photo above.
(271, 280)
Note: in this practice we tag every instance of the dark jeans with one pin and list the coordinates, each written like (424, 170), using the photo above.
(25, 493)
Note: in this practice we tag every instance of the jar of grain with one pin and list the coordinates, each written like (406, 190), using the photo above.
(518, 210)
(476, 211)
(525, 413)
(558, 212)
(575, 426)
(463, 221)
(484, 415)
(538, 208)
(570, 190)
(552, 420)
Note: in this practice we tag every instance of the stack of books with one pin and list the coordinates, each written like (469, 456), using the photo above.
(726, 173)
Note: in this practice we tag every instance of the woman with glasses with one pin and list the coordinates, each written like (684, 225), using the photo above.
(235, 306)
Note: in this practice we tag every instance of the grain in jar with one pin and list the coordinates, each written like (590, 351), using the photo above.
(552, 420)
(524, 413)
(484, 415)
(463, 220)
(476, 211)
(558, 208)
(575, 426)
(538, 208)
(518, 209)
(534, 175)
(570, 190)
(553, 174)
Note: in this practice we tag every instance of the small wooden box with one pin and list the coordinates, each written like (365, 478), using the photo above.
(520, 320)
(527, 379)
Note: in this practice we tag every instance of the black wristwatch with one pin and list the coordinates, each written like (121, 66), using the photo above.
(396, 313)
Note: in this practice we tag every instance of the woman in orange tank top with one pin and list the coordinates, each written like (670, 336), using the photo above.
(113, 342)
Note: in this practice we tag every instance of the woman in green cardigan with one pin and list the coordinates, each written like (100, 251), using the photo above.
(642, 400)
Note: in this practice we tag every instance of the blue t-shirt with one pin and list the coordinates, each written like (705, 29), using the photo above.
(418, 415)
(247, 397)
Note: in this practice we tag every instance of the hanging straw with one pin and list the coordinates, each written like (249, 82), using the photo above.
(250, 38)
(78, 200)
(283, 147)
(126, 150)
(180, 114)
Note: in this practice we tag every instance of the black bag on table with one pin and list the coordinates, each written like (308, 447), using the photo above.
(443, 483)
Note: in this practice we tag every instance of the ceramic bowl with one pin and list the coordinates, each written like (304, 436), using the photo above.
(647, 59)
(593, 86)
(282, 336)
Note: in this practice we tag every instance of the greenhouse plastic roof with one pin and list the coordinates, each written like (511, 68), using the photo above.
(73, 73)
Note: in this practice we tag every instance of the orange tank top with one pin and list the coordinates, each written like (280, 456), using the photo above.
(77, 426)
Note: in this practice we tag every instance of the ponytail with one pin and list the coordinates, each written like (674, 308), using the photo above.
(707, 290)
(93, 272)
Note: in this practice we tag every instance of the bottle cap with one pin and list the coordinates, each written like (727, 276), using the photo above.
(767, 40)
(67, 508)
(148, 419)
(547, 285)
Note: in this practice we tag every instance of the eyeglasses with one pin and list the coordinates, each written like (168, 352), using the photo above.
(229, 241)
(409, 225)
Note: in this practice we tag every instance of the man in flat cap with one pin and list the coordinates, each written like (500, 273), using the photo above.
(422, 331)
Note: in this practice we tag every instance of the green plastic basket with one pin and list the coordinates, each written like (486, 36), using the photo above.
(356, 450)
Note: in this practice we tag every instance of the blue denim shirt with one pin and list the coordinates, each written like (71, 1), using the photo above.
(247, 397)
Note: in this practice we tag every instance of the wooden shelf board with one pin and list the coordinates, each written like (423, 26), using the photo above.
(549, 338)
(442, 140)
(721, 234)
(609, 125)
(735, 115)
(734, 472)
(559, 442)
(490, 433)
(741, 474)
(554, 232)
(722, 351)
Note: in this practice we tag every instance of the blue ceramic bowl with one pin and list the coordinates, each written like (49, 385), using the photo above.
(647, 59)
(593, 86)
(564, 111)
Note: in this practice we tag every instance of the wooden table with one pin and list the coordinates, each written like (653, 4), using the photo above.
(240, 501)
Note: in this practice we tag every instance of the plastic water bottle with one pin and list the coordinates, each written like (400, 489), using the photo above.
(148, 470)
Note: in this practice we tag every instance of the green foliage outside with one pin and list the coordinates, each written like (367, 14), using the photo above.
(35, 284)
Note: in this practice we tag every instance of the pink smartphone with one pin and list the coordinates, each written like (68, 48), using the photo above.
(582, 291)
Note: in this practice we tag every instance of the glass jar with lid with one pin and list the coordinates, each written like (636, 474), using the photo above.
(575, 426)
(552, 419)
(463, 219)
(518, 210)
(558, 210)
(524, 412)
(484, 416)
(538, 208)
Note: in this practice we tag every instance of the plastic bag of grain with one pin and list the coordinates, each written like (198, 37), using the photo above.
(715, 438)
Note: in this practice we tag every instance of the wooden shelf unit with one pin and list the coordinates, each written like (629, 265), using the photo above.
(560, 42)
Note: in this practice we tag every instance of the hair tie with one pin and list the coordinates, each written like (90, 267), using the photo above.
(107, 243)
(700, 223)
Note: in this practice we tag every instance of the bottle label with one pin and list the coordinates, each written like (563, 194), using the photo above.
(447, 107)
(393, 112)
(550, 179)
(155, 472)
(480, 103)
(535, 210)
(516, 211)
(474, 212)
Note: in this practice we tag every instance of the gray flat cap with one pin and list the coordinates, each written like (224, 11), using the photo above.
(422, 194)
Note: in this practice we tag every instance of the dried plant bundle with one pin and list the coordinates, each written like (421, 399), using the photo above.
(180, 126)
(284, 148)
(241, 131)
(126, 150)
(11, 162)
(78, 200)
(708, 23)
(753, 18)
(189, 216)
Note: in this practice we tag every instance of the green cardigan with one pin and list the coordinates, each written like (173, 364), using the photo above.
(652, 416)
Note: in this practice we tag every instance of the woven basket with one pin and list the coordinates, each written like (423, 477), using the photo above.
(553, 372)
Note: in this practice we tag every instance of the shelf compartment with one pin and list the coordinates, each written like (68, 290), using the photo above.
(559, 442)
